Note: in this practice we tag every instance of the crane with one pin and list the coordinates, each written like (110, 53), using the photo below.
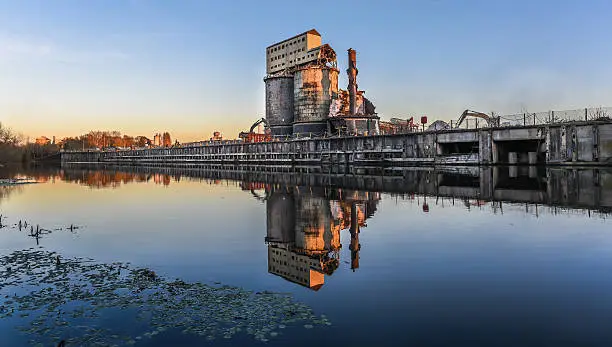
(253, 137)
(491, 121)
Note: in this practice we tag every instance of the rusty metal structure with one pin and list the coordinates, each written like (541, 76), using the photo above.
(302, 94)
(352, 80)
(314, 89)
(352, 113)
(251, 136)
(398, 126)
(491, 120)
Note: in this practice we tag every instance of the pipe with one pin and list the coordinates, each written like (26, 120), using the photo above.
(352, 80)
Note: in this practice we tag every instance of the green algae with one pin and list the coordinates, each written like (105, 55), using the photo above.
(56, 298)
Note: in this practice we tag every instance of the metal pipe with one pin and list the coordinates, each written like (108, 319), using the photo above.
(352, 80)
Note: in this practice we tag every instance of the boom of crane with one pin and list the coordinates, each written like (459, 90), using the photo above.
(491, 121)
(254, 137)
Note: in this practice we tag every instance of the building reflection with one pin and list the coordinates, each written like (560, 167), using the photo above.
(303, 231)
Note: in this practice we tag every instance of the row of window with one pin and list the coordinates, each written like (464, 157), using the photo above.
(280, 56)
(311, 55)
(299, 268)
(286, 274)
(294, 42)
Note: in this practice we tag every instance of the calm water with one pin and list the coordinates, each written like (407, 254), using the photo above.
(504, 257)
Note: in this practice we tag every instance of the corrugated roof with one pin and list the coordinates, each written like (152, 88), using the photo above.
(311, 31)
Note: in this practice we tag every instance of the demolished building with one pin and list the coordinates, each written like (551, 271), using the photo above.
(302, 94)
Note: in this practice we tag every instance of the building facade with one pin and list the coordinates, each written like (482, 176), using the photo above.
(297, 50)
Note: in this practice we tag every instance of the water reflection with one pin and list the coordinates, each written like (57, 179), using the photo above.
(479, 248)
(306, 213)
(7, 191)
(575, 188)
(303, 230)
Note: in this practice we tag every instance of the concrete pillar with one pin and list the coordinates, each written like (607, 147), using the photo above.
(512, 158)
(513, 171)
(533, 158)
(494, 152)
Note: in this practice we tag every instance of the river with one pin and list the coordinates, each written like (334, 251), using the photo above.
(423, 257)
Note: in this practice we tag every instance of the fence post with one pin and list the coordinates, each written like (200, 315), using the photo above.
(476, 123)
(586, 114)
(552, 113)
(524, 119)
(534, 118)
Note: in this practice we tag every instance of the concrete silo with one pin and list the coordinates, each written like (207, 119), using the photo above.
(280, 218)
(279, 104)
(314, 89)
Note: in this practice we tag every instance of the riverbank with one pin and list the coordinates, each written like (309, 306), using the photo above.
(15, 181)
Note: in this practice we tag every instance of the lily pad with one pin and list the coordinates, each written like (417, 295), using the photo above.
(70, 298)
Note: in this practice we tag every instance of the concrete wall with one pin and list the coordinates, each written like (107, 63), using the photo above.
(458, 136)
(574, 144)
(604, 135)
(580, 143)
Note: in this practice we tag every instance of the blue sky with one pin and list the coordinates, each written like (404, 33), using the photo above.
(191, 67)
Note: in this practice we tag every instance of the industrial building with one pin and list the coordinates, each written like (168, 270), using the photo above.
(294, 51)
(302, 94)
(303, 232)
(310, 121)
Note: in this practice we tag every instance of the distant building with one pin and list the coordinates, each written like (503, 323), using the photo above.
(166, 140)
(43, 140)
(216, 136)
(157, 140)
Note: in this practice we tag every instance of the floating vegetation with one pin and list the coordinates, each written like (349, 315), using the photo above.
(37, 232)
(63, 299)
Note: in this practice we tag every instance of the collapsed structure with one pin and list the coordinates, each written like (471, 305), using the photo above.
(302, 95)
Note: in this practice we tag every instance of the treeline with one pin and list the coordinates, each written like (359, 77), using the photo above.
(103, 139)
(11, 146)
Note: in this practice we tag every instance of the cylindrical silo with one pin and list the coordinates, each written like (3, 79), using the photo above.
(313, 224)
(279, 104)
(280, 217)
(314, 89)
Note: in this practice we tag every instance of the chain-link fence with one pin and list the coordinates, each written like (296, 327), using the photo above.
(537, 118)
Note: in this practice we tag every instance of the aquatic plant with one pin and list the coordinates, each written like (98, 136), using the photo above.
(62, 299)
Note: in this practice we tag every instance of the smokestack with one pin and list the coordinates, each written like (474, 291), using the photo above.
(352, 80)
(354, 229)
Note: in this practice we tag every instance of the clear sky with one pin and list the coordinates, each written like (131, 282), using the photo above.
(192, 67)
